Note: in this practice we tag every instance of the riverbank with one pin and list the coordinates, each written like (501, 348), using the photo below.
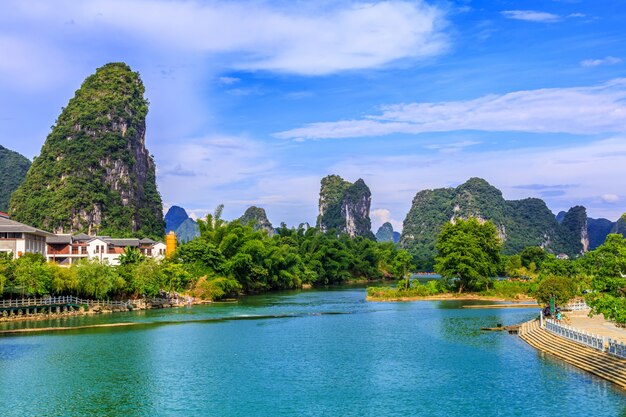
(518, 298)
(601, 364)
(52, 313)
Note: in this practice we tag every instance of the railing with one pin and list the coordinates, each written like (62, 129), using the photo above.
(616, 349)
(576, 306)
(53, 301)
(595, 342)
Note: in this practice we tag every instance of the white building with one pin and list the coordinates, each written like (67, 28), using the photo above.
(17, 238)
(69, 249)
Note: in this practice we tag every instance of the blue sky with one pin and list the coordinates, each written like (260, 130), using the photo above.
(253, 102)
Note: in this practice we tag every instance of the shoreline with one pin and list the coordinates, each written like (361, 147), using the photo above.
(452, 297)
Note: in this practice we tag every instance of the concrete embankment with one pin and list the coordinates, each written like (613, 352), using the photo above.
(601, 364)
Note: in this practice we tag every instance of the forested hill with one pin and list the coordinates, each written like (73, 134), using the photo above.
(13, 168)
(94, 173)
(520, 223)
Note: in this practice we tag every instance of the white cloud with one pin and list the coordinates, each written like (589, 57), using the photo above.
(595, 168)
(531, 16)
(452, 147)
(609, 60)
(380, 216)
(610, 198)
(228, 80)
(309, 39)
(576, 110)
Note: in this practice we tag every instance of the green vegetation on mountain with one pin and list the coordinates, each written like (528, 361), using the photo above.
(520, 223)
(13, 168)
(345, 207)
(94, 173)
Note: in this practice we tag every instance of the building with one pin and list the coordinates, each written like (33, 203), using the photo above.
(66, 249)
(17, 238)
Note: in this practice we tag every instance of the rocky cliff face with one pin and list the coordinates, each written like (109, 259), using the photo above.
(597, 230)
(620, 226)
(13, 168)
(385, 233)
(345, 207)
(520, 223)
(257, 218)
(94, 173)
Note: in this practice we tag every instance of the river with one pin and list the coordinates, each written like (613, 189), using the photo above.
(304, 353)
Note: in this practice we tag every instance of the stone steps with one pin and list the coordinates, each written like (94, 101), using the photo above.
(598, 363)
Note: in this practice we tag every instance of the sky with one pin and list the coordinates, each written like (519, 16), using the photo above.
(253, 102)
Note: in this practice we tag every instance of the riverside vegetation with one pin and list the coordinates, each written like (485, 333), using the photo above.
(469, 256)
(227, 259)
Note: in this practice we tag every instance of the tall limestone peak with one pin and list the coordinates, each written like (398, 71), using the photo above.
(345, 207)
(13, 168)
(257, 217)
(94, 173)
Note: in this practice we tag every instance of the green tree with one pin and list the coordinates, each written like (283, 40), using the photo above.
(533, 254)
(402, 266)
(469, 251)
(561, 288)
(606, 266)
(148, 278)
(96, 280)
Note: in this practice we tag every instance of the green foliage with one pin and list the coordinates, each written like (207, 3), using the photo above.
(13, 168)
(533, 254)
(606, 267)
(470, 252)
(524, 223)
(131, 256)
(561, 288)
(94, 164)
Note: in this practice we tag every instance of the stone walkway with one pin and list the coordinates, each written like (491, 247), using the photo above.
(596, 325)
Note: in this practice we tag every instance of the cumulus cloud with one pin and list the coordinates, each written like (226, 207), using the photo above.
(382, 215)
(563, 176)
(531, 16)
(609, 60)
(576, 110)
(291, 37)
(610, 198)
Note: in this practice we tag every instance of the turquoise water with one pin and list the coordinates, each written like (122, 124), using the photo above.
(310, 353)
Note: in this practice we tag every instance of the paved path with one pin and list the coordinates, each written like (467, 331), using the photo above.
(595, 325)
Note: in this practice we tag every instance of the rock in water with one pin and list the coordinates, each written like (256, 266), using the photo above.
(174, 218)
(257, 218)
(94, 173)
(13, 168)
(520, 223)
(345, 207)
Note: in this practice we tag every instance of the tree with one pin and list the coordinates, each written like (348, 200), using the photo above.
(469, 251)
(401, 266)
(561, 288)
(533, 254)
(131, 256)
(607, 266)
